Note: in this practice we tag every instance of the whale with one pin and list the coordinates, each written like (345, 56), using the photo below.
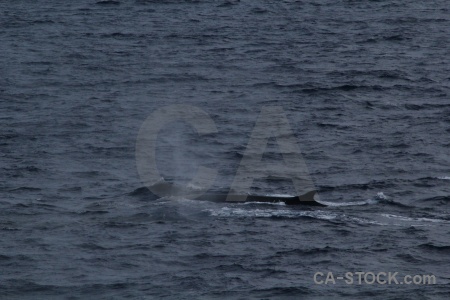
(166, 189)
(306, 199)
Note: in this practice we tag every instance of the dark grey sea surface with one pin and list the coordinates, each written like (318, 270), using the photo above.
(364, 84)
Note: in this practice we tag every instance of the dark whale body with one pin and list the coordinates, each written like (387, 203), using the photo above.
(305, 199)
(164, 188)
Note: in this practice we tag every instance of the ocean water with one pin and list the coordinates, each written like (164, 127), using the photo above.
(364, 84)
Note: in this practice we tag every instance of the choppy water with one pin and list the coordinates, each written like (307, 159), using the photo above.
(364, 84)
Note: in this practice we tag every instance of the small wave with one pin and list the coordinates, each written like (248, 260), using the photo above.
(269, 213)
(374, 184)
(289, 214)
(442, 200)
(309, 251)
(43, 22)
(25, 188)
(108, 2)
(444, 177)
(4, 257)
(353, 203)
(408, 258)
(113, 224)
(358, 220)
(383, 199)
(430, 246)
(403, 218)
(380, 197)
(93, 212)
(9, 229)
(92, 246)
(228, 3)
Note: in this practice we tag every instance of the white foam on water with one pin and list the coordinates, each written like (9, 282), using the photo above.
(365, 221)
(409, 219)
(444, 177)
(354, 203)
(265, 203)
(268, 213)
(194, 187)
(381, 196)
